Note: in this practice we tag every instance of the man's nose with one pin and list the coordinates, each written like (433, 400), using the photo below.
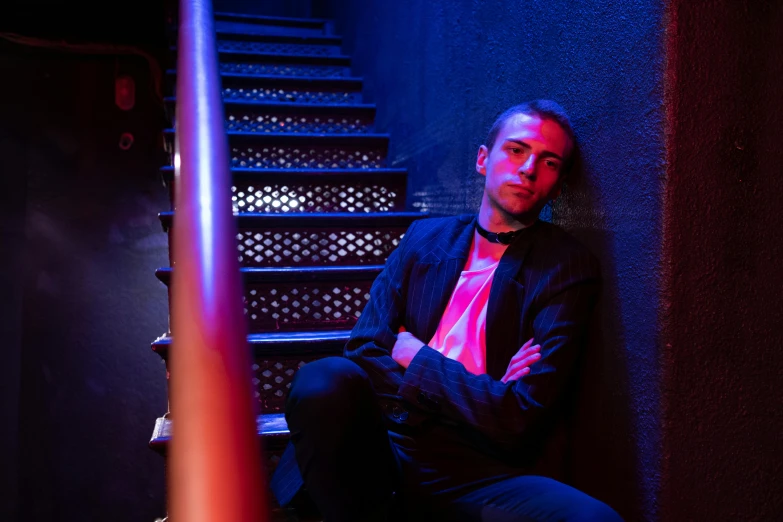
(529, 166)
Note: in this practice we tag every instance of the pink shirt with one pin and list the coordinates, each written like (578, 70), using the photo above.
(461, 332)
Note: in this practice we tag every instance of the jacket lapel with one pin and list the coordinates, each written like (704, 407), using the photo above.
(504, 308)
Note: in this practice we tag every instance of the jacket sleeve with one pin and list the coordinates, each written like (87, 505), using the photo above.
(505, 413)
(375, 333)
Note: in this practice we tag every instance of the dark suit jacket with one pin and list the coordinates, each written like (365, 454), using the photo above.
(544, 287)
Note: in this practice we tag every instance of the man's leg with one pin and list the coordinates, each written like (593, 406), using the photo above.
(342, 446)
(528, 498)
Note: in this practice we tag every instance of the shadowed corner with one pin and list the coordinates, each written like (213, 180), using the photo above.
(600, 450)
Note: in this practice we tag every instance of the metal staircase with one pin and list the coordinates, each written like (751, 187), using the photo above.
(318, 209)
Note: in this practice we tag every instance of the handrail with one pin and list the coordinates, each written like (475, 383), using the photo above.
(214, 463)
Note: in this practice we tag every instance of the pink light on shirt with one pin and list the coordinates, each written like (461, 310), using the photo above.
(461, 332)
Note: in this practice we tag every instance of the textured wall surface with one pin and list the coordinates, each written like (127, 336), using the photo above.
(441, 71)
(85, 302)
(723, 457)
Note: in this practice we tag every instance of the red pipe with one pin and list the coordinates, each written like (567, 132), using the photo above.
(214, 462)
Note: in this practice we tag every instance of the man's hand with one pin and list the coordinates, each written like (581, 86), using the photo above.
(405, 348)
(520, 363)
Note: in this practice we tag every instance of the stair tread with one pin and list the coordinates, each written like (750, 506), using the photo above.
(332, 219)
(285, 69)
(332, 80)
(295, 274)
(282, 337)
(290, 80)
(281, 20)
(313, 107)
(280, 38)
(303, 135)
(273, 175)
(280, 343)
(312, 59)
(268, 425)
(307, 172)
(333, 59)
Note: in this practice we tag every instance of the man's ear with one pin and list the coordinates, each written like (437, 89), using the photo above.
(481, 160)
(556, 191)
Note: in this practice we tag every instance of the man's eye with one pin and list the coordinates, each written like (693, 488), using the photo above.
(515, 150)
(553, 165)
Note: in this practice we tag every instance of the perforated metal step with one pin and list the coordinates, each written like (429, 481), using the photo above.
(286, 58)
(326, 274)
(287, 68)
(339, 239)
(303, 150)
(285, 89)
(299, 118)
(312, 92)
(291, 58)
(317, 342)
(281, 44)
(276, 358)
(282, 38)
(269, 426)
(289, 299)
(314, 190)
(279, 21)
(286, 118)
(250, 24)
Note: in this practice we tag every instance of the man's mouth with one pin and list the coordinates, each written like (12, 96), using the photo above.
(521, 189)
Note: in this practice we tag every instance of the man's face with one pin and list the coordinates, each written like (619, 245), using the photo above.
(523, 167)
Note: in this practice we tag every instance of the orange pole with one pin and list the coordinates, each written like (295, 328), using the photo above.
(214, 461)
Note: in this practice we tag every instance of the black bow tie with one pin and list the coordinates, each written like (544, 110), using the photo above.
(504, 238)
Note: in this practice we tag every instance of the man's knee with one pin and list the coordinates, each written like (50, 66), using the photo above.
(539, 498)
(329, 385)
(596, 511)
(584, 508)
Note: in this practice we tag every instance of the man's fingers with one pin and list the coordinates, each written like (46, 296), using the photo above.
(515, 375)
(524, 363)
(526, 351)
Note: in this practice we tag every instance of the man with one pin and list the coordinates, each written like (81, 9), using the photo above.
(455, 425)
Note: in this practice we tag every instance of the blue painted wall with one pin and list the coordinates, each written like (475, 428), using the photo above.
(440, 72)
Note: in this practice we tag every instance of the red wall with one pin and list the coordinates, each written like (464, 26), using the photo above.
(723, 246)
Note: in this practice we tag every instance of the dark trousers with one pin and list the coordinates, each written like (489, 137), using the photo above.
(352, 460)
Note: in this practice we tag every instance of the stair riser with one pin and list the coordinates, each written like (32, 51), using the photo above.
(223, 26)
(232, 45)
(312, 195)
(320, 196)
(294, 39)
(270, 89)
(272, 449)
(285, 69)
(240, 91)
(308, 247)
(304, 306)
(260, 151)
(288, 306)
(251, 119)
(272, 379)
(311, 247)
(249, 155)
(276, 120)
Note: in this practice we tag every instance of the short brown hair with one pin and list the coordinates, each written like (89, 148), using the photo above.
(544, 109)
